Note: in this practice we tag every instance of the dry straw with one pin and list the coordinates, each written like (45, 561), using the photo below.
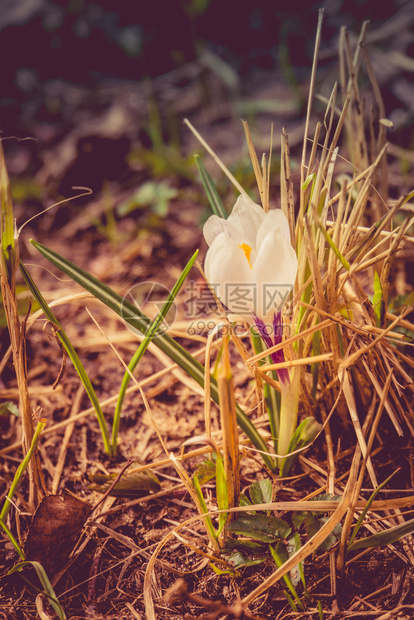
(341, 239)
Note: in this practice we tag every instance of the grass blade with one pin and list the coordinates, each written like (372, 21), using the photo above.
(16, 481)
(9, 258)
(44, 580)
(12, 539)
(384, 538)
(204, 509)
(152, 330)
(7, 219)
(222, 493)
(364, 512)
(279, 561)
(134, 317)
(272, 397)
(304, 434)
(211, 192)
(330, 241)
(378, 301)
(21, 469)
(72, 355)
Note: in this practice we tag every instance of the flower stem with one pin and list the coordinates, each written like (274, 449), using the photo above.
(288, 412)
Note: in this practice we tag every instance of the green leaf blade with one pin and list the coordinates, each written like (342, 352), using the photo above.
(44, 580)
(152, 330)
(8, 250)
(378, 300)
(387, 537)
(212, 195)
(80, 369)
(134, 317)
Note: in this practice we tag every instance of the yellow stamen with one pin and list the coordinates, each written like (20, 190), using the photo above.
(247, 251)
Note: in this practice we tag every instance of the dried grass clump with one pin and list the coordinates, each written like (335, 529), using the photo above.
(344, 342)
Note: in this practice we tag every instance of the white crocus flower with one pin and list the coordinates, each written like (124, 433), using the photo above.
(250, 262)
(252, 267)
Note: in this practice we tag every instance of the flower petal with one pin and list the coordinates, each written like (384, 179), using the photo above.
(276, 260)
(242, 224)
(274, 270)
(228, 271)
(213, 227)
(247, 217)
(273, 219)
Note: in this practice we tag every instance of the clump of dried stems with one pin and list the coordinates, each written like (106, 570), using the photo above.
(344, 342)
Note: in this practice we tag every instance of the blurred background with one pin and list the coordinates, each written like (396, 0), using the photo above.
(94, 93)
